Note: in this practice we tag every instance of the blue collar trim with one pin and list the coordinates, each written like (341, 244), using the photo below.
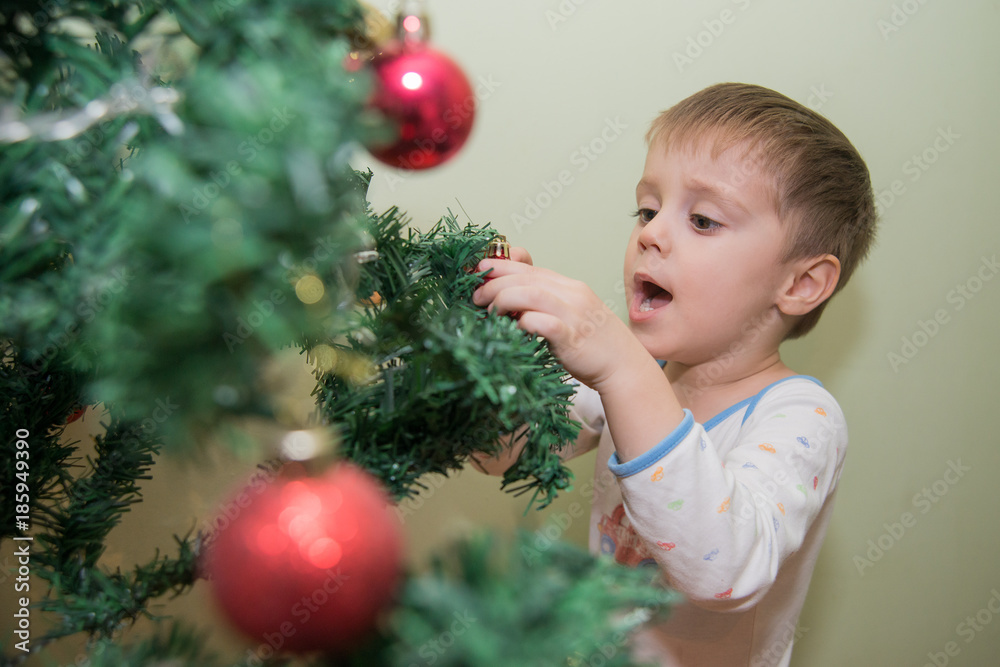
(751, 403)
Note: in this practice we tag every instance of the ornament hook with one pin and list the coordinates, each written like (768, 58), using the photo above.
(412, 26)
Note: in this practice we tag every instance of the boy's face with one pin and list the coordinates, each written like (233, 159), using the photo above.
(703, 265)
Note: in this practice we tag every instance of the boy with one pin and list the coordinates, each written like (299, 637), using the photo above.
(720, 466)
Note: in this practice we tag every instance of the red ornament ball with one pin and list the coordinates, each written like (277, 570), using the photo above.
(309, 563)
(429, 99)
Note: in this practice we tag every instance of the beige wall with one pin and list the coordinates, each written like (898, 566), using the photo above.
(549, 86)
(902, 79)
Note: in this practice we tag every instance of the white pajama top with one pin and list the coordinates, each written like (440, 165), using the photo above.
(733, 511)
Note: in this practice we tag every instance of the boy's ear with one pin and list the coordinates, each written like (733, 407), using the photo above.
(811, 283)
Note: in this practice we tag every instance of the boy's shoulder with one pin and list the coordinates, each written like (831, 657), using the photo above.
(796, 398)
(794, 390)
(794, 414)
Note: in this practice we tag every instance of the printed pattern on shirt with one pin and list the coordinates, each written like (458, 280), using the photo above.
(778, 483)
(726, 561)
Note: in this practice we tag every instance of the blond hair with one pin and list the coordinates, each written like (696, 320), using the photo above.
(821, 184)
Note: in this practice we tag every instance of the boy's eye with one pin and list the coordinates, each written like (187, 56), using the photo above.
(645, 214)
(703, 224)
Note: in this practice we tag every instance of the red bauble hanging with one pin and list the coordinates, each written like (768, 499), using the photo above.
(309, 563)
(425, 95)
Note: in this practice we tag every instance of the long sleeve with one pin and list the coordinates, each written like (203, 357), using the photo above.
(721, 506)
(587, 410)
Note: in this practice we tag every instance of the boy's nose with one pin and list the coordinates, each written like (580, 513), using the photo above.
(655, 235)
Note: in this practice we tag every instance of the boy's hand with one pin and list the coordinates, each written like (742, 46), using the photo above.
(590, 340)
(596, 347)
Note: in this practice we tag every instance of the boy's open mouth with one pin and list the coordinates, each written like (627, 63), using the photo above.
(652, 296)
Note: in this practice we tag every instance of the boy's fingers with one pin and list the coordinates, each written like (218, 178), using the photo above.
(527, 297)
(519, 254)
(526, 273)
(501, 267)
(484, 294)
(541, 324)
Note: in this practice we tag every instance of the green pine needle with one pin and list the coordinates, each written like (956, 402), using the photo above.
(153, 271)
(520, 603)
(445, 378)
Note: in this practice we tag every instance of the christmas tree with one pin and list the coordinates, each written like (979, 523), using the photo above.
(177, 208)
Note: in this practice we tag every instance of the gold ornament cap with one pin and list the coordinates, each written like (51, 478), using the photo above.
(498, 248)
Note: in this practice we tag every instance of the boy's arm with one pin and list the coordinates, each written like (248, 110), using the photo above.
(721, 527)
(640, 404)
